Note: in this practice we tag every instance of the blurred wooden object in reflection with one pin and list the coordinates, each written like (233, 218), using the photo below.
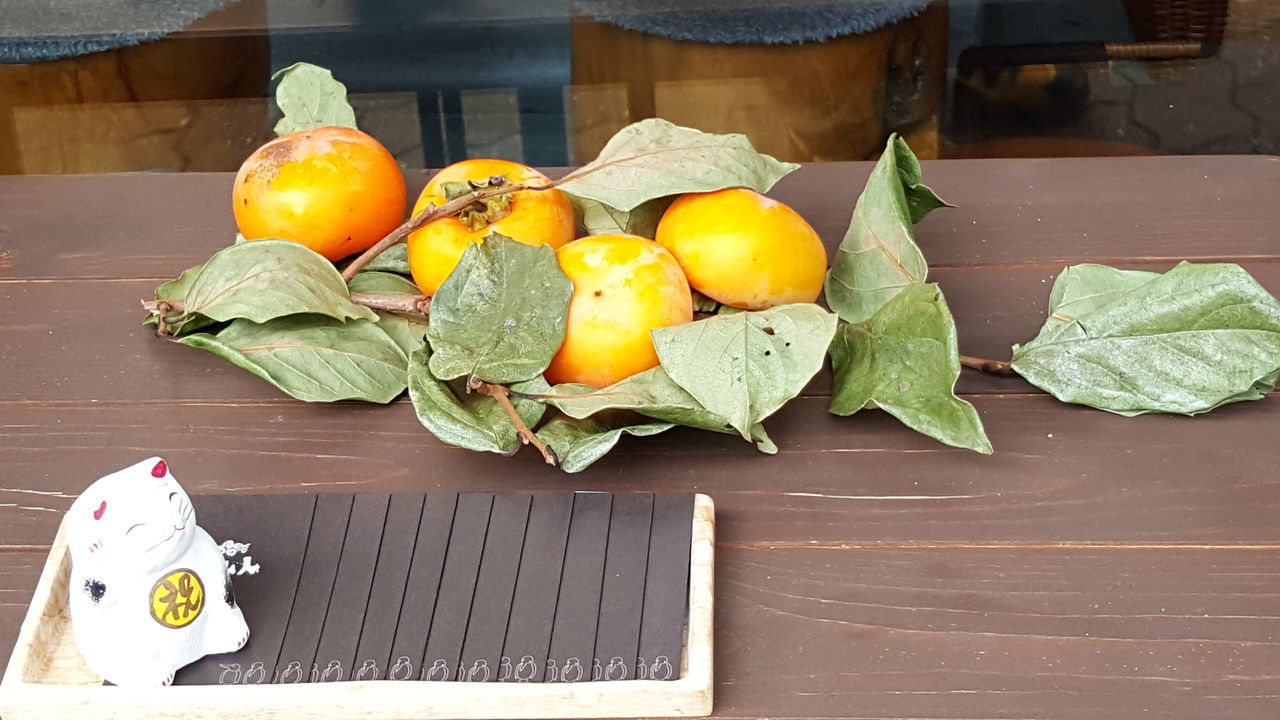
(1043, 147)
(833, 100)
(141, 107)
(186, 135)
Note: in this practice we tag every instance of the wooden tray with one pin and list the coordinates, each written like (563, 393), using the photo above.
(46, 676)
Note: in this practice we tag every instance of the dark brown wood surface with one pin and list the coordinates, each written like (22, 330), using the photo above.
(1094, 567)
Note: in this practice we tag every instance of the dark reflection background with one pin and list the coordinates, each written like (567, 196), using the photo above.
(546, 83)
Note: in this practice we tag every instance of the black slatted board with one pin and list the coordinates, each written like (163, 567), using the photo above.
(507, 587)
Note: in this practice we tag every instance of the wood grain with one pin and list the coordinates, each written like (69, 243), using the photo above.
(890, 632)
(1007, 211)
(1095, 567)
(1059, 474)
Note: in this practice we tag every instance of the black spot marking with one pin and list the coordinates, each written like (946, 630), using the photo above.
(598, 293)
(767, 330)
(768, 352)
(95, 589)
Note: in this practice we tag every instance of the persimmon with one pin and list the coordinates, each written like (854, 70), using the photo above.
(335, 190)
(623, 287)
(533, 217)
(743, 249)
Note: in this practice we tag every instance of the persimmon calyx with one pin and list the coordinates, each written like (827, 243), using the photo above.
(481, 213)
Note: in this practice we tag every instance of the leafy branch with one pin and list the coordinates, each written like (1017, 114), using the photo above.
(1184, 341)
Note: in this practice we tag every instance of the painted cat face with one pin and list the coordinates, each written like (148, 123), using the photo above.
(138, 517)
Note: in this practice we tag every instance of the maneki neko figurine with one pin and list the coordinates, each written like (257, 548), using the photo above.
(150, 591)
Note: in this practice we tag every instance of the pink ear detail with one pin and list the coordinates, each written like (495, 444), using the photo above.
(97, 514)
(159, 470)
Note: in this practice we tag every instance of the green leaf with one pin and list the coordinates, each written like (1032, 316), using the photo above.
(904, 360)
(744, 367)
(310, 98)
(501, 313)
(382, 282)
(578, 443)
(596, 218)
(468, 419)
(651, 393)
(394, 259)
(1186, 341)
(878, 257)
(1080, 289)
(313, 358)
(654, 158)
(266, 279)
(408, 331)
(176, 289)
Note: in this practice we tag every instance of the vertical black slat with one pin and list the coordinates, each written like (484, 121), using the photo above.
(264, 578)
(455, 130)
(542, 123)
(666, 592)
(533, 607)
(315, 585)
(573, 635)
(350, 600)
(420, 589)
(622, 596)
(491, 607)
(457, 587)
(398, 535)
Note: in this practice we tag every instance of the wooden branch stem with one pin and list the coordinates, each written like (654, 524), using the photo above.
(527, 436)
(405, 304)
(991, 367)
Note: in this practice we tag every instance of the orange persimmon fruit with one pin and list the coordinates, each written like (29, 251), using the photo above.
(623, 287)
(743, 249)
(335, 190)
(533, 217)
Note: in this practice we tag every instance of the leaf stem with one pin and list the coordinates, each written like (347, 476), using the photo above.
(431, 212)
(503, 395)
(991, 367)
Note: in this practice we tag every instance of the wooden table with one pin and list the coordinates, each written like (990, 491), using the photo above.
(1095, 567)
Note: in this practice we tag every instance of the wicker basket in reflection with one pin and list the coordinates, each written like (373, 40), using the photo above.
(1178, 21)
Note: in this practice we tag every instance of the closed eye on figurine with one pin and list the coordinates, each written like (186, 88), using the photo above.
(133, 527)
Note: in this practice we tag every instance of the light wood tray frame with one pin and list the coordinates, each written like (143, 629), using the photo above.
(47, 678)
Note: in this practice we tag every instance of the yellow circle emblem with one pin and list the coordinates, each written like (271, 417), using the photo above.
(177, 598)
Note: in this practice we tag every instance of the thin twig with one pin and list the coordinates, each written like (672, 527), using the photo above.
(991, 367)
(527, 436)
(163, 307)
(428, 214)
(406, 304)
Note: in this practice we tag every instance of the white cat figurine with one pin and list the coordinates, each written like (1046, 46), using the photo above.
(150, 591)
